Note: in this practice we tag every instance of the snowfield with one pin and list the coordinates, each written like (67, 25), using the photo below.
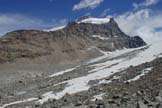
(107, 68)
(95, 20)
(145, 71)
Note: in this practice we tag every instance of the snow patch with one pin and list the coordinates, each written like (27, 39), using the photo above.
(95, 20)
(55, 28)
(107, 64)
(105, 81)
(21, 93)
(112, 54)
(144, 72)
(99, 97)
(18, 102)
(62, 72)
(100, 37)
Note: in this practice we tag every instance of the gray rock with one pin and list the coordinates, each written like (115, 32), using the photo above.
(99, 104)
(93, 82)
(140, 104)
(111, 101)
(159, 105)
(160, 93)
(158, 99)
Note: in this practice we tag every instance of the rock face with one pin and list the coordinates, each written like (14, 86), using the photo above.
(135, 42)
(67, 44)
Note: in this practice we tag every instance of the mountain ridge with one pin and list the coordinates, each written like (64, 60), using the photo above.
(73, 40)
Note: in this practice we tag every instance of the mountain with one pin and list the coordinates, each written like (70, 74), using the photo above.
(67, 43)
(89, 63)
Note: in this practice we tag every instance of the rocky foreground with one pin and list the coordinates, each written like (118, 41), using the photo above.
(124, 90)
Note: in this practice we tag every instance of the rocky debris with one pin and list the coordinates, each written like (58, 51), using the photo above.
(117, 93)
(140, 104)
(158, 99)
(136, 42)
(93, 82)
(135, 94)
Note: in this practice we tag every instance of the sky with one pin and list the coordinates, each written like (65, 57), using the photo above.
(133, 16)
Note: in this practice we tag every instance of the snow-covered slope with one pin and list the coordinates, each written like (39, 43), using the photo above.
(55, 28)
(117, 61)
(95, 20)
(100, 68)
(108, 64)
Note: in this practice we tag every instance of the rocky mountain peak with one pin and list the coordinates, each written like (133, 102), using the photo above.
(71, 40)
(113, 22)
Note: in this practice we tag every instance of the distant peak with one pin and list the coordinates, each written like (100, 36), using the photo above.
(113, 22)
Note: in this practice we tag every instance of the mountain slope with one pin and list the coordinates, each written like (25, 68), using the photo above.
(90, 63)
(110, 79)
(73, 40)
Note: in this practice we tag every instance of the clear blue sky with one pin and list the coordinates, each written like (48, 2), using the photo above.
(45, 13)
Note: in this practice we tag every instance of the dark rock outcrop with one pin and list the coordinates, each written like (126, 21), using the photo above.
(135, 42)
